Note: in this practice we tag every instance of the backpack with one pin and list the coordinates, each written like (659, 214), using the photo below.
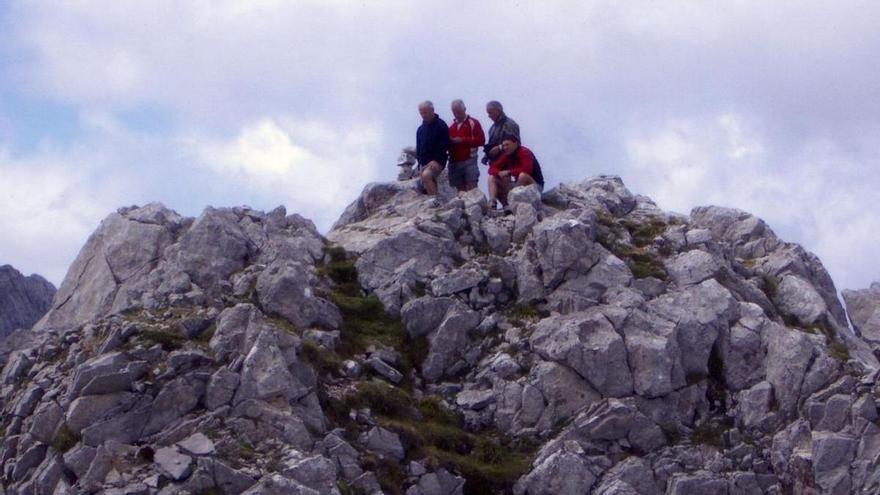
(536, 171)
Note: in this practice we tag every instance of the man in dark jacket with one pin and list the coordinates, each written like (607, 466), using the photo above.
(502, 125)
(432, 145)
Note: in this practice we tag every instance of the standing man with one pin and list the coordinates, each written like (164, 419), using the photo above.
(465, 136)
(502, 126)
(432, 143)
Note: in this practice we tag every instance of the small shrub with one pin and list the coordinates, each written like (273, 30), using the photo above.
(169, 341)
(770, 285)
(336, 254)
(710, 433)
(65, 439)
(644, 234)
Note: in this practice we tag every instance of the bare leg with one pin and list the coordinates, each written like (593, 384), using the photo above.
(428, 178)
(503, 189)
(524, 180)
(493, 190)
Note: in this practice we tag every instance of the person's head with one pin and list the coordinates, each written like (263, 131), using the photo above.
(459, 110)
(426, 110)
(509, 143)
(495, 110)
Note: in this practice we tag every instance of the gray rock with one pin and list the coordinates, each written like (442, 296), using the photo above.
(561, 473)
(692, 267)
(277, 484)
(457, 281)
(88, 410)
(176, 399)
(46, 420)
(450, 341)
(588, 290)
(498, 235)
(654, 355)
(221, 388)
(23, 300)
(423, 315)
(383, 441)
(285, 288)
(18, 365)
(265, 373)
(797, 297)
(385, 370)
(197, 444)
(789, 355)
(699, 482)
(316, 472)
(475, 399)
(124, 428)
(528, 195)
(29, 460)
(212, 249)
(440, 482)
(118, 381)
(863, 308)
(588, 344)
(117, 256)
(754, 409)
(526, 218)
(565, 249)
(175, 465)
(832, 455)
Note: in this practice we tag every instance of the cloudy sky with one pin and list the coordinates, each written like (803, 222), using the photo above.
(771, 107)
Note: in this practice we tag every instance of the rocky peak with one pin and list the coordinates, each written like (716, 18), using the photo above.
(588, 342)
(23, 300)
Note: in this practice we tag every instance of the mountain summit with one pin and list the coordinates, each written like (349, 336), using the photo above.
(588, 343)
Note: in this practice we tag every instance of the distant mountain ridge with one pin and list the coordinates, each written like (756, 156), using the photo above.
(23, 300)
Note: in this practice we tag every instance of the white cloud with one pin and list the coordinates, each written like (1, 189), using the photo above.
(819, 197)
(50, 204)
(310, 167)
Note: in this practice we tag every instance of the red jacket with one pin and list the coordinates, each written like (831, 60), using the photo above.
(520, 161)
(472, 133)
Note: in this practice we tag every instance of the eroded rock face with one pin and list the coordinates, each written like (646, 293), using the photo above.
(863, 307)
(23, 300)
(587, 343)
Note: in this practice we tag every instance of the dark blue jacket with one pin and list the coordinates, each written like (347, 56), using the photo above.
(432, 141)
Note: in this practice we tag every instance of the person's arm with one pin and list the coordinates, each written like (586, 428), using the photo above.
(524, 162)
(511, 127)
(499, 165)
(443, 144)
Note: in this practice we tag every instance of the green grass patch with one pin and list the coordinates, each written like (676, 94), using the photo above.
(643, 234)
(644, 264)
(324, 360)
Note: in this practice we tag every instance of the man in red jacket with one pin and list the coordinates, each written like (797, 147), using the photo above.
(465, 136)
(517, 166)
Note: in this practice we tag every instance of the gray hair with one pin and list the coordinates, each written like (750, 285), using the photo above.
(458, 103)
(426, 104)
(495, 104)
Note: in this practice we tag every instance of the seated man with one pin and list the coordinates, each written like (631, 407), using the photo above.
(517, 166)
(432, 145)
